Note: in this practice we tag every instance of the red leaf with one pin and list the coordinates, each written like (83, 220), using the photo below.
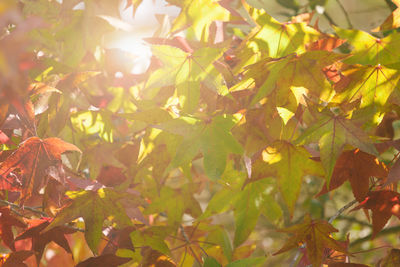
(7, 220)
(40, 240)
(106, 260)
(383, 205)
(356, 167)
(33, 158)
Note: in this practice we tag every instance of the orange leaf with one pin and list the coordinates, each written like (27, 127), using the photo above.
(33, 158)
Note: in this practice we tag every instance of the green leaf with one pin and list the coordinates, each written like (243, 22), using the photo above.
(288, 164)
(372, 84)
(370, 50)
(304, 70)
(332, 133)
(247, 262)
(213, 139)
(187, 72)
(211, 262)
(248, 208)
(94, 207)
(199, 15)
(152, 237)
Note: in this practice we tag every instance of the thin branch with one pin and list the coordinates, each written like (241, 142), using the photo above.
(17, 207)
(343, 209)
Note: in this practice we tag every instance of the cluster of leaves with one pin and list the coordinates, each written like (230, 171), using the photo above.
(237, 122)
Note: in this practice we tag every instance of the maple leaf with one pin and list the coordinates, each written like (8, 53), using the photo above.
(392, 21)
(199, 15)
(356, 167)
(370, 50)
(106, 260)
(213, 139)
(332, 132)
(315, 234)
(94, 207)
(288, 163)
(187, 71)
(33, 158)
(16, 259)
(272, 38)
(7, 220)
(383, 204)
(372, 84)
(304, 70)
(40, 240)
(250, 203)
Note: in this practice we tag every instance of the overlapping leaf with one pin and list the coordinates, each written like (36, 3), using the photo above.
(332, 132)
(370, 50)
(94, 207)
(40, 240)
(33, 157)
(187, 72)
(255, 199)
(7, 220)
(372, 84)
(199, 15)
(356, 167)
(213, 139)
(305, 70)
(273, 39)
(288, 164)
(383, 205)
(315, 234)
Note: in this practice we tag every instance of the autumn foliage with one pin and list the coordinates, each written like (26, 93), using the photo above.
(243, 141)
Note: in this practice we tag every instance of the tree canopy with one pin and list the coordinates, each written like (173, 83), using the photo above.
(207, 133)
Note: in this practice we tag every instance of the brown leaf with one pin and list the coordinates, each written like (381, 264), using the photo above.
(383, 205)
(315, 234)
(119, 238)
(106, 260)
(33, 158)
(154, 258)
(394, 173)
(16, 259)
(7, 220)
(111, 176)
(40, 240)
(356, 167)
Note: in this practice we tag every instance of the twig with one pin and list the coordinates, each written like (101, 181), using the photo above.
(15, 206)
(343, 209)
